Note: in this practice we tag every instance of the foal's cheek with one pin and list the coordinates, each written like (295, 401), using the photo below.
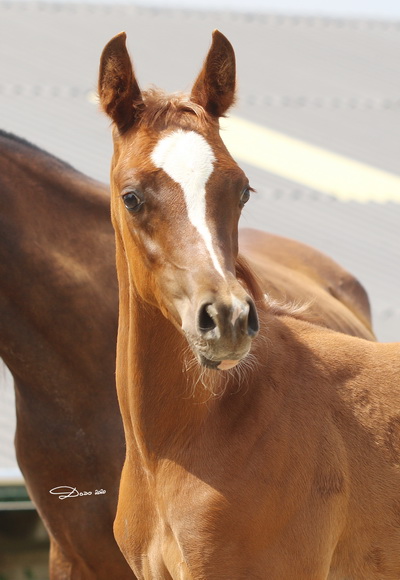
(150, 252)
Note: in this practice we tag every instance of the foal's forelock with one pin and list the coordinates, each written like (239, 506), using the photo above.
(167, 110)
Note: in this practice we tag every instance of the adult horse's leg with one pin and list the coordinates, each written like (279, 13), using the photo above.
(60, 567)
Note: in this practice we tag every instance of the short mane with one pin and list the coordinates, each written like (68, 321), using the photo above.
(172, 109)
(16, 141)
(20, 140)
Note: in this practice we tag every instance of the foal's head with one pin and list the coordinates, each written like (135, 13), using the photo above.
(177, 196)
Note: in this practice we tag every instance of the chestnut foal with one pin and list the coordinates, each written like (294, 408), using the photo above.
(259, 443)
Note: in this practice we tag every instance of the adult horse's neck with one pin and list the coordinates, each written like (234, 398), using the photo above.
(55, 228)
(56, 260)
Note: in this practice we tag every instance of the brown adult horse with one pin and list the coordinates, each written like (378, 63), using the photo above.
(58, 306)
(286, 467)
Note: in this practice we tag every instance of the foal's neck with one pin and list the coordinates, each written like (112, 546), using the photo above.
(166, 398)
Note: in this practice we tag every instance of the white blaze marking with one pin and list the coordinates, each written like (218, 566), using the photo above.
(189, 160)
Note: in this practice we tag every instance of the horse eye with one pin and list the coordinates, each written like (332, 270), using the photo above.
(244, 198)
(132, 201)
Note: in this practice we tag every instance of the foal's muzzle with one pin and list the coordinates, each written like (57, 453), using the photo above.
(225, 329)
(217, 320)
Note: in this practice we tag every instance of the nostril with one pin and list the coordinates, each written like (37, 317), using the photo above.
(205, 320)
(253, 325)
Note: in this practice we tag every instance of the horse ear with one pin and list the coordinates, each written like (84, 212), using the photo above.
(119, 92)
(214, 88)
